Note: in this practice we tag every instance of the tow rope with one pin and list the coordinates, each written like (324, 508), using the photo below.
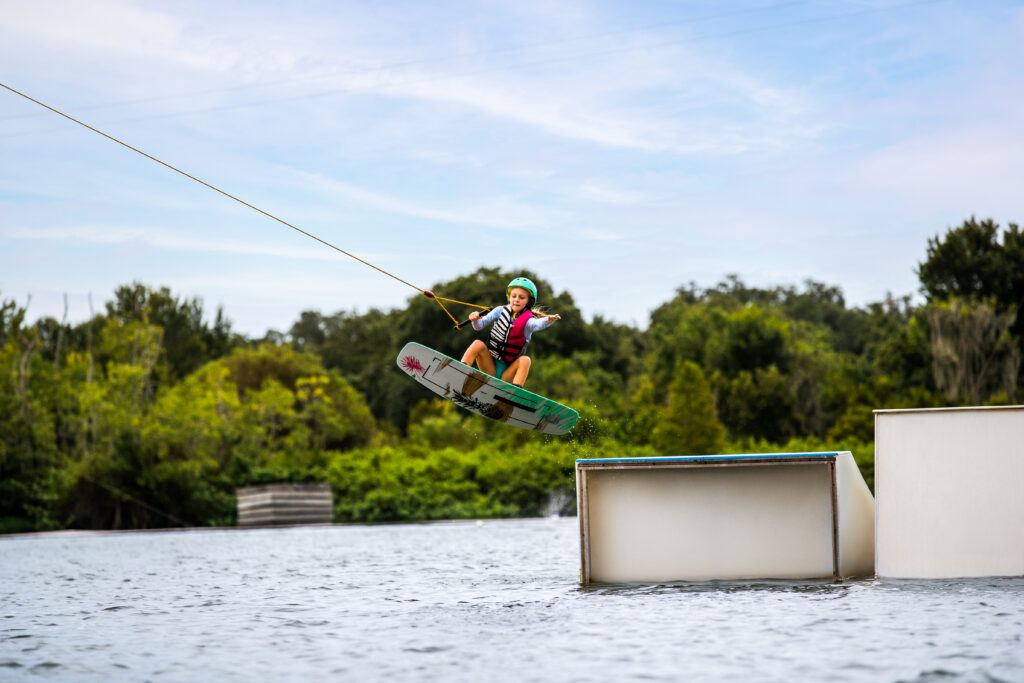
(425, 292)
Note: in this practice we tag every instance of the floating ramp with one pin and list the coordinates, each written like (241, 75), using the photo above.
(696, 518)
(949, 486)
(285, 503)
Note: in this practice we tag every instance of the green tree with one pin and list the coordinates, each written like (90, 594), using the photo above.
(765, 370)
(643, 412)
(618, 348)
(105, 411)
(971, 263)
(682, 330)
(194, 438)
(818, 303)
(899, 345)
(973, 353)
(759, 405)
(689, 425)
(188, 341)
(289, 390)
(30, 463)
(753, 338)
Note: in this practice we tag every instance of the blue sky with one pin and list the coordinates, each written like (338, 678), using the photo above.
(618, 149)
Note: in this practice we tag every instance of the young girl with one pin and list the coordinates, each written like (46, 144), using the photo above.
(514, 324)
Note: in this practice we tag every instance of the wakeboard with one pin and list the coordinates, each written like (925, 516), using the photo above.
(483, 394)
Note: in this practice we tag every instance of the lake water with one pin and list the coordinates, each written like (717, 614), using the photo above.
(464, 602)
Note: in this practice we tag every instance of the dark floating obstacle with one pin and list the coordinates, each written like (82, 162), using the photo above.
(285, 504)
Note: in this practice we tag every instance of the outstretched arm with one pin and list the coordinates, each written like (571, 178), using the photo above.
(539, 323)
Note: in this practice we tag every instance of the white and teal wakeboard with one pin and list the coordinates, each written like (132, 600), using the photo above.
(484, 394)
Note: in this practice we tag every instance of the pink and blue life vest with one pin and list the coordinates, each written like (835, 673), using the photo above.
(508, 335)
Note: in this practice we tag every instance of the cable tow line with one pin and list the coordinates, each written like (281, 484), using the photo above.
(427, 293)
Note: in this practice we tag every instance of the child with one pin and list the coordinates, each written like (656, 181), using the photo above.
(514, 324)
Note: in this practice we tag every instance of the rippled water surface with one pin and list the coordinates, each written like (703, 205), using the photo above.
(464, 601)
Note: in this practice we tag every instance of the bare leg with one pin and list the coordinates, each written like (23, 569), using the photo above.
(518, 371)
(477, 353)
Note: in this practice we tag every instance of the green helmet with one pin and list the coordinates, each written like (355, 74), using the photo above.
(525, 284)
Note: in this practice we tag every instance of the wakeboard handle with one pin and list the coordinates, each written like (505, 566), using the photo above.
(459, 326)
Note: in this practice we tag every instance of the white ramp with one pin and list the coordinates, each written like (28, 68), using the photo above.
(949, 486)
(693, 518)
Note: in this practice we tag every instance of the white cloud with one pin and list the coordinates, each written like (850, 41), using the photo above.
(499, 212)
(178, 241)
(600, 235)
(581, 90)
(592, 104)
(977, 169)
(603, 194)
(112, 27)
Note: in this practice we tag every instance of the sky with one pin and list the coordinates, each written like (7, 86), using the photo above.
(620, 150)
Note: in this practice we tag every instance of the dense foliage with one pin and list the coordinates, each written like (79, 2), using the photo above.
(149, 415)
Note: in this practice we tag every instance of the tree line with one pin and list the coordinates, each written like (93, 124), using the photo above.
(151, 413)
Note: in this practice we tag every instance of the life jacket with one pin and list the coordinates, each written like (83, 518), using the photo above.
(508, 337)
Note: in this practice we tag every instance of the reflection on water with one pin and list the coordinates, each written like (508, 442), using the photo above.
(464, 601)
(824, 587)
